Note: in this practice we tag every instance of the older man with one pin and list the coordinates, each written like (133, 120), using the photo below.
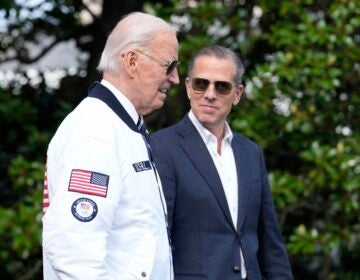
(104, 211)
(221, 214)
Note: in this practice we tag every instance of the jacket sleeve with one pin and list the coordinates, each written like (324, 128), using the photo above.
(166, 171)
(273, 259)
(75, 234)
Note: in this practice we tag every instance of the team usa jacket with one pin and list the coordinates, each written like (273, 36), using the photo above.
(104, 215)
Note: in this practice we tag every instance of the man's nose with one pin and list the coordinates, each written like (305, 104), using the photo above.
(174, 77)
(210, 92)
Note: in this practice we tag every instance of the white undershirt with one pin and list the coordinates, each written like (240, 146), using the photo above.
(226, 167)
(125, 102)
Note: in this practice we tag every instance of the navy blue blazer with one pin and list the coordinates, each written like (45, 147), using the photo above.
(205, 241)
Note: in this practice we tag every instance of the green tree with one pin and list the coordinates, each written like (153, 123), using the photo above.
(302, 86)
(306, 92)
(302, 60)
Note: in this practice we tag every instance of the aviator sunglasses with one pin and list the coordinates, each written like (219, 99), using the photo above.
(170, 65)
(201, 85)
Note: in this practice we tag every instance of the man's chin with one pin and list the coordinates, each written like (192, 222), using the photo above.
(155, 107)
(160, 104)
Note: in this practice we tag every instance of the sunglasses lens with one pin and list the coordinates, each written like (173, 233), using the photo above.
(173, 64)
(223, 87)
(199, 84)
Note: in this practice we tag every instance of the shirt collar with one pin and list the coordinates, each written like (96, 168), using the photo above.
(125, 102)
(205, 134)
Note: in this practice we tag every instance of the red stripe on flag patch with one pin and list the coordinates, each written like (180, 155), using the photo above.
(46, 201)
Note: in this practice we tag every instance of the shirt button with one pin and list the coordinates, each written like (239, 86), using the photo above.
(143, 274)
(236, 269)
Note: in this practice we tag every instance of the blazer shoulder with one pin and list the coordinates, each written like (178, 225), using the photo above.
(164, 133)
(246, 142)
(180, 129)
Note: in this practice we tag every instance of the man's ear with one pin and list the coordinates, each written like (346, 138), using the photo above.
(188, 87)
(239, 91)
(130, 62)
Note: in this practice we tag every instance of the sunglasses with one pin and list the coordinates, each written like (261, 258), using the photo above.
(170, 65)
(201, 85)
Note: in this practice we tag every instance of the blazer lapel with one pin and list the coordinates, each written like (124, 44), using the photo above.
(243, 175)
(197, 152)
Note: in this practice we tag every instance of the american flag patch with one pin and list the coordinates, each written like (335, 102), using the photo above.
(88, 182)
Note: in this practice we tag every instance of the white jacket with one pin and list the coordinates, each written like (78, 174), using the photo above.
(118, 231)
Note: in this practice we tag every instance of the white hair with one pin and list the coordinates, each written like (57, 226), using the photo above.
(136, 30)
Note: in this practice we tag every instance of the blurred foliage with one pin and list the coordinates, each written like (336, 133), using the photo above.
(20, 224)
(302, 106)
(27, 121)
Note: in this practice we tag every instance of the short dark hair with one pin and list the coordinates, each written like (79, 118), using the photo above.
(220, 52)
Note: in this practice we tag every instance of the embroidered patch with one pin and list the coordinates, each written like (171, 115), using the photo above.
(88, 182)
(142, 166)
(84, 209)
